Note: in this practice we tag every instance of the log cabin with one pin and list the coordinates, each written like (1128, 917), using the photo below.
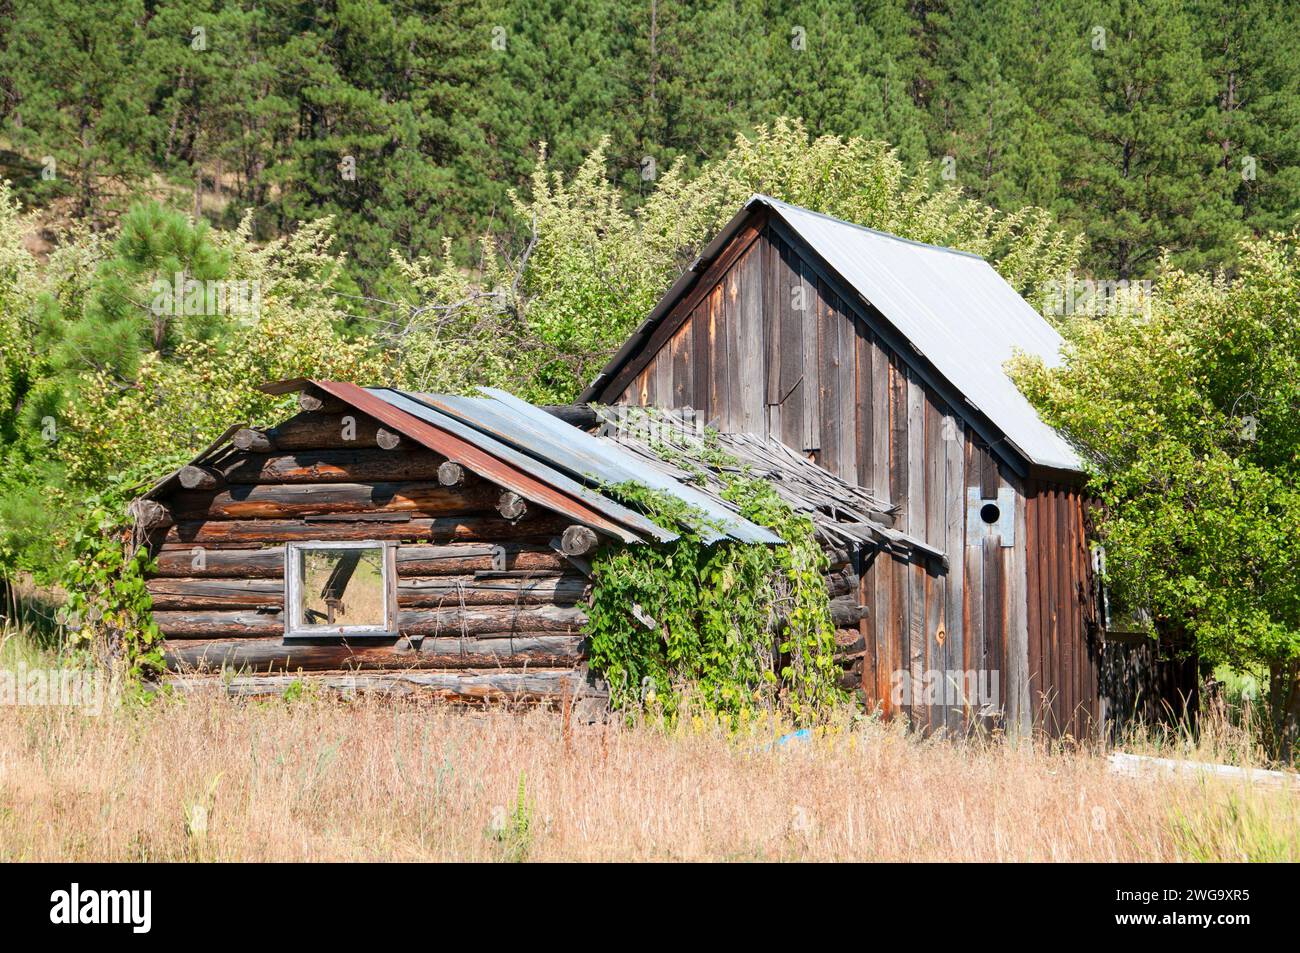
(423, 543)
(883, 360)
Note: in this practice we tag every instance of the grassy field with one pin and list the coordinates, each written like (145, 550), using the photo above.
(208, 778)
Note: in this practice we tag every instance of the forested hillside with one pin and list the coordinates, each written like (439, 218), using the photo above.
(1140, 125)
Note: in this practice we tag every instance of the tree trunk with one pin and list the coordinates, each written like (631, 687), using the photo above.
(1284, 707)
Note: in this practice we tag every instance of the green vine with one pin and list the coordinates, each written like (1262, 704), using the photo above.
(740, 627)
(109, 612)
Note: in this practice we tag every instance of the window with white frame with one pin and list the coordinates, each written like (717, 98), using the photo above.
(340, 589)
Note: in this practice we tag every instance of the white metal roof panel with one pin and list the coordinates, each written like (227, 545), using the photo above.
(956, 310)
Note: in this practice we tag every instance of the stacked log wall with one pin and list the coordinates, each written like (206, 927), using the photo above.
(475, 589)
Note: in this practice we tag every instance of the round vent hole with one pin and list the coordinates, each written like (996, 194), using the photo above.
(990, 513)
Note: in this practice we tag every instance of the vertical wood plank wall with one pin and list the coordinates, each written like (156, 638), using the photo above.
(1065, 649)
(770, 348)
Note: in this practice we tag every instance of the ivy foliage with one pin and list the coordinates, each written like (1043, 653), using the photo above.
(740, 627)
(109, 612)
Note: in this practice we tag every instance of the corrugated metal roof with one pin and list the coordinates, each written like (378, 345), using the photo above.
(956, 310)
(951, 306)
(502, 418)
(526, 462)
(524, 449)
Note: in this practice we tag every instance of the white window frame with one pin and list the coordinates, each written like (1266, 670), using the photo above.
(296, 628)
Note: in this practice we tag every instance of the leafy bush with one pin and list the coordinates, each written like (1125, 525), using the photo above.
(1187, 408)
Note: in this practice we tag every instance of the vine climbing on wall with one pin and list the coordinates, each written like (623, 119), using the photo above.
(740, 627)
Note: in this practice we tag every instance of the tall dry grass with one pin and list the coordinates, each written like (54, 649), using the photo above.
(210, 778)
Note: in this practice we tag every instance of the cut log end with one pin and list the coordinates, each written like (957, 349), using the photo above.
(253, 440)
(200, 478)
(578, 541)
(320, 402)
(386, 439)
(451, 474)
(512, 506)
(150, 515)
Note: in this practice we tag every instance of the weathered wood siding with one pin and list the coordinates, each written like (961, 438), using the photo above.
(764, 343)
(475, 590)
(1066, 641)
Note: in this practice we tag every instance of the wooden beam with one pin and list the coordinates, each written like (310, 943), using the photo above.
(434, 530)
(150, 515)
(203, 562)
(319, 431)
(451, 622)
(576, 415)
(353, 465)
(186, 561)
(198, 593)
(290, 500)
(255, 440)
(531, 686)
(272, 654)
(314, 401)
(442, 591)
(477, 557)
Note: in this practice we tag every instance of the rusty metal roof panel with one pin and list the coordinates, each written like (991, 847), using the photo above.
(531, 430)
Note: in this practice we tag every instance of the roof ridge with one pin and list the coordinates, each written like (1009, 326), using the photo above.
(779, 204)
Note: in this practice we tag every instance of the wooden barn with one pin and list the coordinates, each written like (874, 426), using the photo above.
(411, 542)
(882, 360)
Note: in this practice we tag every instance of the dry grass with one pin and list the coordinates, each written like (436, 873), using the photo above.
(207, 778)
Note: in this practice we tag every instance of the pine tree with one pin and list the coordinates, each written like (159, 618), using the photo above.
(80, 81)
(1252, 50)
(1146, 177)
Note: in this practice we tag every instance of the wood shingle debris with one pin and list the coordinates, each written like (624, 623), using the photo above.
(677, 443)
